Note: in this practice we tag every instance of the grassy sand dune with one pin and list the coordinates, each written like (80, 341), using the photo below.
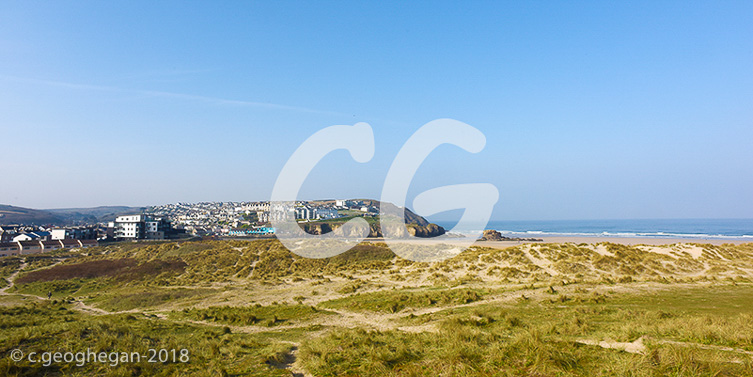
(254, 308)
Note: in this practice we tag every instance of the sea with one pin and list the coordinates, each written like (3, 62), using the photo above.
(653, 228)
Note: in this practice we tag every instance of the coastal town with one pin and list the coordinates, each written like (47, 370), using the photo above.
(174, 221)
(252, 218)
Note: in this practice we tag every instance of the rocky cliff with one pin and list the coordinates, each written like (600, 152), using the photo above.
(493, 235)
(416, 230)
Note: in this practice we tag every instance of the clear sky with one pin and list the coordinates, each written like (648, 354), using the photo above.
(591, 109)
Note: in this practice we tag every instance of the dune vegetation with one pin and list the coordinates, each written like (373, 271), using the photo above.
(252, 308)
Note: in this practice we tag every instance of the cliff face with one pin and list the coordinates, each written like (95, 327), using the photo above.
(317, 228)
(429, 230)
(416, 230)
(415, 225)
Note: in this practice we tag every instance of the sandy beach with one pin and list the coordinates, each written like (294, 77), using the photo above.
(620, 240)
(589, 240)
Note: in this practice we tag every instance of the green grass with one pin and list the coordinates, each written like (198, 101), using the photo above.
(114, 296)
(148, 298)
(8, 265)
(540, 338)
(59, 288)
(707, 299)
(53, 327)
(501, 315)
(679, 313)
(35, 262)
(393, 301)
(270, 315)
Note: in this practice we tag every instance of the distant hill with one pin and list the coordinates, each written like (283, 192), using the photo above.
(94, 214)
(27, 216)
(62, 216)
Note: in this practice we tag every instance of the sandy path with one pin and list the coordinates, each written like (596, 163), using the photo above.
(702, 346)
(639, 347)
(632, 347)
(77, 305)
(12, 278)
(86, 308)
(343, 319)
(12, 282)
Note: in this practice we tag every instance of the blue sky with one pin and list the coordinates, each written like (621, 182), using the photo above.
(591, 109)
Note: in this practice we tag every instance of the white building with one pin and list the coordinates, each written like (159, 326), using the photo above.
(59, 234)
(83, 233)
(25, 237)
(131, 226)
(140, 227)
(258, 207)
(305, 213)
(327, 213)
(32, 236)
(281, 212)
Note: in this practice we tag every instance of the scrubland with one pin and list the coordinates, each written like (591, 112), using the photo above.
(252, 308)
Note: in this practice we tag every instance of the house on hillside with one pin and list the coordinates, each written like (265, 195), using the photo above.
(25, 237)
(32, 236)
(76, 233)
(7, 233)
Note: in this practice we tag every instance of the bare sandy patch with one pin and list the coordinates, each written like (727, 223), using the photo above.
(636, 346)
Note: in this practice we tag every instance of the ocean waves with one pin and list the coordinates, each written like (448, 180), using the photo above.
(737, 229)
